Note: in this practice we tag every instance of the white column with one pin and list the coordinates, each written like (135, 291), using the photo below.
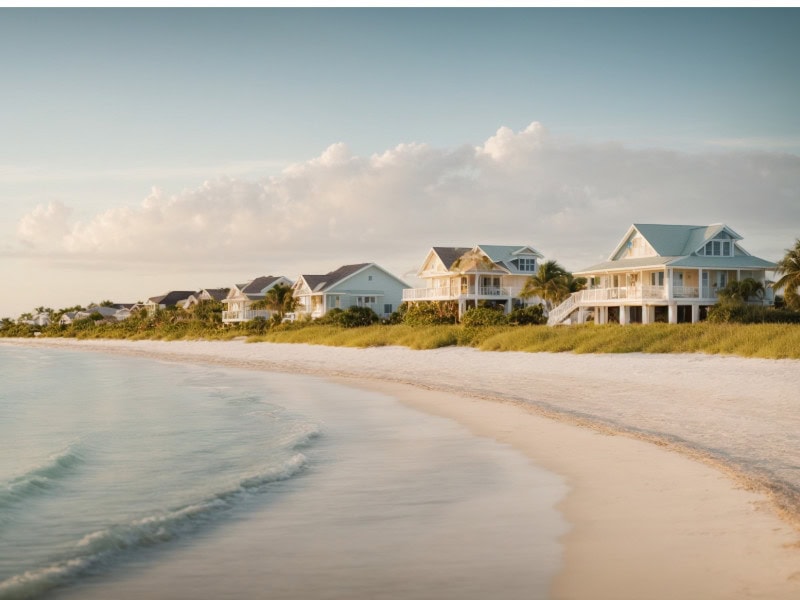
(672, 309)
(624, 315)
(695, 313)
(700, 290)
(669, 284)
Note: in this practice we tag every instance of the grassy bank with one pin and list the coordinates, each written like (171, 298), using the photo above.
(762, 341)
(770, 340)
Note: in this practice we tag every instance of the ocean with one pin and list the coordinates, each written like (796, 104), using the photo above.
(125, 477)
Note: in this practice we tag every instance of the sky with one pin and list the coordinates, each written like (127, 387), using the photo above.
(148, 150)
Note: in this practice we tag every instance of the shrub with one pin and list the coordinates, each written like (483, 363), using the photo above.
(431, 313)
(528, 315)
(355, 316)
(483, 317)
(732, 311)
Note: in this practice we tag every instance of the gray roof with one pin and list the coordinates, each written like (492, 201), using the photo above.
(171, 298)
(449, 255)
(502, 256)
(320, 283)
(259, 284)
(217, 294)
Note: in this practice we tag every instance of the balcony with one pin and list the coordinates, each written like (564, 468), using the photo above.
(456, 292)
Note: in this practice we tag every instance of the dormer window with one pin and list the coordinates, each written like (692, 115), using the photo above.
(717, 248)
(527, 265)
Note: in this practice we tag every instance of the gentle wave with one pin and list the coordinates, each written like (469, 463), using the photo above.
(100, 547)
(40, 478)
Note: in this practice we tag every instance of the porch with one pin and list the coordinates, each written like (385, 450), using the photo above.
(482, 292)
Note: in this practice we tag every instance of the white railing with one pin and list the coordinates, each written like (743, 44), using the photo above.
(560, 312)
(229, 316)
(456, 291)
(440, 293)
(683, 291)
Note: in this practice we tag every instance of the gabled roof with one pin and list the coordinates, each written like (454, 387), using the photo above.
(217, 294)
(170, 298)
(320, 283)
(676, 240)
(448, 255)
(501, 256)
(677, 245)
(323, 283)
(260, 284)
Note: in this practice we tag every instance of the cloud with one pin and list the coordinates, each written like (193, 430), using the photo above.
(569, 199)
(46, 225)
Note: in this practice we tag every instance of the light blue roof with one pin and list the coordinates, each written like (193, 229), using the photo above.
(504, 255)
(677, 246)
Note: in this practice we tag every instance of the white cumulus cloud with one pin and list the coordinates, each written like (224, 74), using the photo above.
(571, 200)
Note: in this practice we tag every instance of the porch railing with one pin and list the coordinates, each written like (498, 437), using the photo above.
(456, 291)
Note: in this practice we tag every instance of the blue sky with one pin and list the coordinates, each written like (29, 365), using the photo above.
(216, 118)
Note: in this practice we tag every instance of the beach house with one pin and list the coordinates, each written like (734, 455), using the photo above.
(207, 294)
(363, 284)
(484, 274)
(173, 298)
(241, 297)
(663, 273)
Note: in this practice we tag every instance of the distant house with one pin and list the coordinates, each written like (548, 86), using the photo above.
(174, 298)
(483, 274)
(41, 319)
(669, 273)
(363, 284)
(240, 298)
(216, 294)
(116, 312)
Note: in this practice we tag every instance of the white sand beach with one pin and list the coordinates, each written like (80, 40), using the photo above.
(683, 469)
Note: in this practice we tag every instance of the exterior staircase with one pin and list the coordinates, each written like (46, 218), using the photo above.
(562, 312)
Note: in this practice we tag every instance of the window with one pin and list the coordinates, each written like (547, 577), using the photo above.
(334, 301)
(387, 309)
(526, 264)
(657, 278)
(717, 248)
(368, 301)
(369, 277)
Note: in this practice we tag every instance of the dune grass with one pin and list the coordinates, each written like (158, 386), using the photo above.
(762, 340)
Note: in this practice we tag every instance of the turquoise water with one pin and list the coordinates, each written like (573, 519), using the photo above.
(132, 478)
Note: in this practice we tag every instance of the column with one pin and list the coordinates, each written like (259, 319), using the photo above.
(695, 313)
(672, 309)
(624, 315)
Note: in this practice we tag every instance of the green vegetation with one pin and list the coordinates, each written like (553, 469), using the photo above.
(789, 270)
(552, 283)
(767, 340)
(762, 340)
(733, 327)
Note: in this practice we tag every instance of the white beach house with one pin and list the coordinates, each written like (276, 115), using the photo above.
(669, 273)
(363, 284)
(489, 274)
(241, 297)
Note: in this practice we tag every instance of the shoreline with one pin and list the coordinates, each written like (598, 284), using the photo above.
(647, 522)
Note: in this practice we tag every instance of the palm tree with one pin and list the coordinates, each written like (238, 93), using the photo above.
(279, 299)
(742, 290)
(550, 283)
(789, 269)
